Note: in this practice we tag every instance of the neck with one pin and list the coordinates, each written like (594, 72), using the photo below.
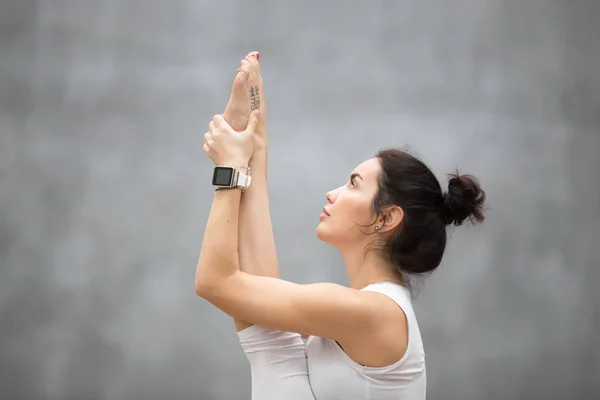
(363, 271)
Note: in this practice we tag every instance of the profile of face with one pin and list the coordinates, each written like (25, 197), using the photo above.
(349, 214)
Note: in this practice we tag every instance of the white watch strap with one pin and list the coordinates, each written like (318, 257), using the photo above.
(243, 180)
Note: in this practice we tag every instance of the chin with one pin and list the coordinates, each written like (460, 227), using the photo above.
(323, 233)
(326, 234)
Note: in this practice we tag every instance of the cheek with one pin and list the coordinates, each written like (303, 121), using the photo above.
(345, 223)
(355, 211)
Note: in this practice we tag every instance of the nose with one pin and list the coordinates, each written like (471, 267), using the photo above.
(330, 196)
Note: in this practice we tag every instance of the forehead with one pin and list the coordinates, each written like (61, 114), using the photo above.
(369, 169)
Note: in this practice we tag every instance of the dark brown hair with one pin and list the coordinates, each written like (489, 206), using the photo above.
(418, 244)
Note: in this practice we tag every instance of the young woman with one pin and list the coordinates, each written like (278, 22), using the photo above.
(388, 221)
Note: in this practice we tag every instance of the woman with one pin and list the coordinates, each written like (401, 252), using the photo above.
(388, 221)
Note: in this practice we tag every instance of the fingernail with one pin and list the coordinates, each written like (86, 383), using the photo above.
(257, 56)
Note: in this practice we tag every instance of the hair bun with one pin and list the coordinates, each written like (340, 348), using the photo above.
(463, 200)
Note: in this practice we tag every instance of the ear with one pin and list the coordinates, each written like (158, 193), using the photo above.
(390, 218)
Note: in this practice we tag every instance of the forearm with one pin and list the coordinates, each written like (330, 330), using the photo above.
(256, 242)
(218, 255)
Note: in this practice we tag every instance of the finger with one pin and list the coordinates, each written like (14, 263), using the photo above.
(251, 128)
(207, 149)
(208, 137)
(219, 121)
(212, 128)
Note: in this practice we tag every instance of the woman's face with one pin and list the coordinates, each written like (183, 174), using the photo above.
(350, 206)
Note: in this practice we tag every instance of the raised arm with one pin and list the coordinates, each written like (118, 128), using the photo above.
(277, 359)
(323, 309)
(256, 244)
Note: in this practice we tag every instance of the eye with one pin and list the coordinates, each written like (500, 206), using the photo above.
(352, 181)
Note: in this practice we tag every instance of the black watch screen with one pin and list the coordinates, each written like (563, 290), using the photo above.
(222, 176)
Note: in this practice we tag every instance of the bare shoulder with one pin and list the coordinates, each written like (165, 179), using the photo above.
(388, 342)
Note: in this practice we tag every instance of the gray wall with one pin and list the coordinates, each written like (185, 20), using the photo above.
(104, 188)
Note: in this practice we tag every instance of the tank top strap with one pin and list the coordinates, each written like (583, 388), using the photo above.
(394, 291)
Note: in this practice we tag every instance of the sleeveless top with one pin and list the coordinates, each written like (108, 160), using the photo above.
(334, 375)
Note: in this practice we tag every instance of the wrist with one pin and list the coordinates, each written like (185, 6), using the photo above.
(234, 162)
(258, 163)
(260, 142)
(259, 156)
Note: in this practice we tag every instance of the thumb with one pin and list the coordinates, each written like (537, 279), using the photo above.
(251, 128)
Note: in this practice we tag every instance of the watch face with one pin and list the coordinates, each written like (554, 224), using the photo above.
(222, 176)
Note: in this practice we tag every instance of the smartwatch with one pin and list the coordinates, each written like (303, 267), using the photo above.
(228, 177)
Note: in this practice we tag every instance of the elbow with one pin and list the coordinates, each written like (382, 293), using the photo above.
(202, 282)
(211, 281)
(200, 287)
(204, 286)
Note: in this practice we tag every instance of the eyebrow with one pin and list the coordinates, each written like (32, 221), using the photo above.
(356, 175)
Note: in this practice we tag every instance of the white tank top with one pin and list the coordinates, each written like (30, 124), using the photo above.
(334, 375)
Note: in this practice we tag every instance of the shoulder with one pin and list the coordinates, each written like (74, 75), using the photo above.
(387, 340)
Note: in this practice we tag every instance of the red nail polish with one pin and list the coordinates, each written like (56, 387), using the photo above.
(257, 56)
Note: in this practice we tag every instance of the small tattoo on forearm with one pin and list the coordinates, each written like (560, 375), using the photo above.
(254, 98)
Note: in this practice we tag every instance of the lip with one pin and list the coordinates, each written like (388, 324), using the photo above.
(325, 212)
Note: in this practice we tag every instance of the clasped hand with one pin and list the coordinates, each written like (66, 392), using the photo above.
(225, 146)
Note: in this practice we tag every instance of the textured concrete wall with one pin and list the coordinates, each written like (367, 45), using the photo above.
(104, 188)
